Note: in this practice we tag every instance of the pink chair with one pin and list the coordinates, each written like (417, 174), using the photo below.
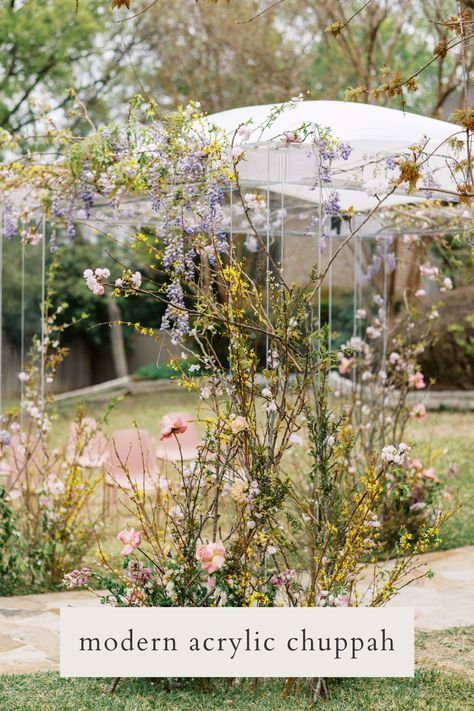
(93, 451)
(131, 462)
(182, 446)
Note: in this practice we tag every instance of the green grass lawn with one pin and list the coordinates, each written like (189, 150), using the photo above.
(443, 682)
(448, 437)
(429, 689)
(443, 438)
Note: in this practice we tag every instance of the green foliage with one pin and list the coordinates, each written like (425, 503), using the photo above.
(44, 45)
(155, 372)
(461, 336)
(165, 372)
(83, 309)
(342, 316)
(12, 566)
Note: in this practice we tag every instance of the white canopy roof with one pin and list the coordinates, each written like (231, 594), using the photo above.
(373, 132)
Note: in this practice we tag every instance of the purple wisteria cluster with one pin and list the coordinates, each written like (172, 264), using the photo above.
(383, 254)
(176, 317)
(328, 150)
(332, 204)
(183, 176)
(9, 222)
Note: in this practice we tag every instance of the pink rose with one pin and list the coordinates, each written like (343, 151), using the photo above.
(416, 380)
(419, 412)
(415, 464)
(211, 556)
(171, 427)
(131, 539)
(345, 365)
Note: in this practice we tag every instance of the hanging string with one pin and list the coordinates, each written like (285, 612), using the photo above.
(22, 329)
(282, 180)
(319, 249)
(43, 309)
(330, 248)
(1, 308)
(231, 236)
(385, 306)
(231, 210)
(319, 246)
(267, 260)
(355, 298)
(385, 323)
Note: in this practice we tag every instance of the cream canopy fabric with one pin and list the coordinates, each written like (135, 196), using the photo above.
(373, 132)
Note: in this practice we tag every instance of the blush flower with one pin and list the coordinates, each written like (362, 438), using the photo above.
(428, 474)
(211, 556)
(171, 427)
(345, 365)
(376, 187)
(447, 285)
(416, 380)
(296, 439)
(131, 539)
(136, 280)
(254, 202)
(418, 412)
(77, 578)
(238, 424)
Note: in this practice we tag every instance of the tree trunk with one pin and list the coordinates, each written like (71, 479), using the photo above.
(117, 340)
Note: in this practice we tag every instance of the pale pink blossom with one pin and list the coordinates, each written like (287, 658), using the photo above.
(415, 464)
(376, 187)
(131, 539)
(238, 424)
(291, 137)
(136, 280)
(342, 600)
(296, 439)
(447, 284)
(428, 474)
(373, 332)
(416, 380)
(429, 271)
(253, 201)
(211, 556)
(244, 132)
(418, 412)
(345, 365)
(171, 427)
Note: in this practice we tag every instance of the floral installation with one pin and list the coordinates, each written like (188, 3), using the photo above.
(49, 490)
(241, 525)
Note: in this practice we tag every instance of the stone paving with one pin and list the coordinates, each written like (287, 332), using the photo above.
(29, 624)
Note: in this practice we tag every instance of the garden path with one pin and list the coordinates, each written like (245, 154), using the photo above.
(29, 624)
